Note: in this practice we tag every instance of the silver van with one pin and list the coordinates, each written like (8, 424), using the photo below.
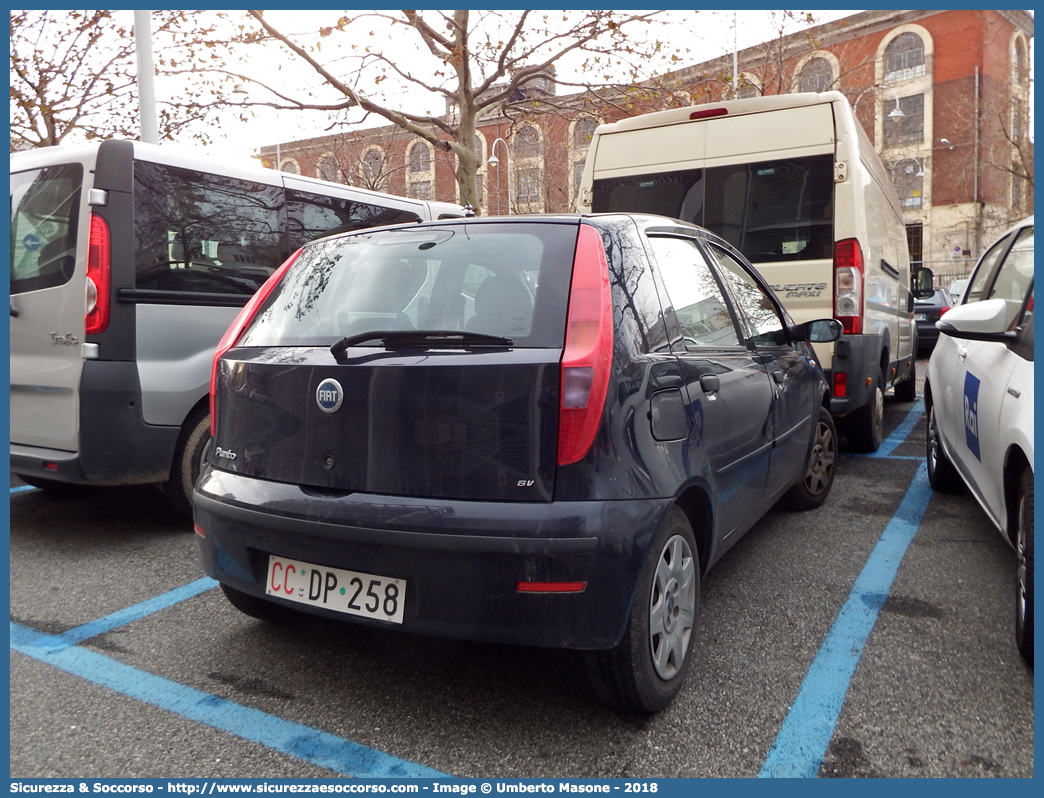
(128, 262)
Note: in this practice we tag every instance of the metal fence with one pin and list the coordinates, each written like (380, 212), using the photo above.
(946, 271)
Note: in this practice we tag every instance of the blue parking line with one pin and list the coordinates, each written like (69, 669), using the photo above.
(21, 488)
(802, 741)
(902, 432)
(133, 613)
(295, 739)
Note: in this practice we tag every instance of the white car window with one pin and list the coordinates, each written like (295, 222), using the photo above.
(1015, 276)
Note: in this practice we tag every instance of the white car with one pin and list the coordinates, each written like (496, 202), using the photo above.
(979, 400)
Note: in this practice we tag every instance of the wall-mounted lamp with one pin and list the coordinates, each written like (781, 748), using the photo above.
(949, 146)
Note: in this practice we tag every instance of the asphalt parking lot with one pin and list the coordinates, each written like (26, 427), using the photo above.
(870, 638)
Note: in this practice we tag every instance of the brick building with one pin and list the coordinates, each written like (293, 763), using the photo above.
(944, 95)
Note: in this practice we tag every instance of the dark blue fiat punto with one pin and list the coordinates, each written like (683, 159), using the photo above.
(538, 430)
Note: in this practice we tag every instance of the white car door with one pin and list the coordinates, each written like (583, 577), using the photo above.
(982, 373)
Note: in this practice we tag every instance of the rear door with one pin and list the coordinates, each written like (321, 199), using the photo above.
(50, 223)
(728, 390)
(795, 399)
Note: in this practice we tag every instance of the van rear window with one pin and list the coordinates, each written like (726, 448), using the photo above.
(770, 211)
(45, 210)
(509, 280)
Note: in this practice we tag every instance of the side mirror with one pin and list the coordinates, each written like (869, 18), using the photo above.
(923, 283)
(820, 331)
(979, 321)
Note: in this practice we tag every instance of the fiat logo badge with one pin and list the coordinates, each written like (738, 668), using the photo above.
(329, 396)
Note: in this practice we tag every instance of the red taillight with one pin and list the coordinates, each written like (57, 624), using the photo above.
(943, 311)
(708, 113)
(98, 271)
(848, 285)
(199, 530)
(840, 384)
(242, 319)
(588, 353)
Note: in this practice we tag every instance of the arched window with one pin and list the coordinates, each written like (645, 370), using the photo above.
(527, 143)
(420, 157)
(328, 169)
(290, 168)
(908, 179)
(817, 76)
(904, 57)
(583, 130)
(749, 86)
(1021, 67)
(372, 163)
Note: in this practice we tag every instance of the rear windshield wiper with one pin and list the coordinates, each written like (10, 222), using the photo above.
(421, 339)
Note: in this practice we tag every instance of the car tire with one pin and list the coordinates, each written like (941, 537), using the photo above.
(865, 427)
(942, 475)
(188, 459)
(645, 671)
(1024, 582)
(815, 485)
(256, 607)
(906, 391)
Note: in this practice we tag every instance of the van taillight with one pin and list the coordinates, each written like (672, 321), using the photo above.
(98, 270)
(588, 353)
(240, 323)
(848, 285)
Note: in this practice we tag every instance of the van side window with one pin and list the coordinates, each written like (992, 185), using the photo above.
(312, 216)
(203, 233)
(45, 209)
(695, 300)
(769, 329)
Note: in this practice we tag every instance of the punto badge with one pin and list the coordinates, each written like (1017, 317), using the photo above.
(329, 396)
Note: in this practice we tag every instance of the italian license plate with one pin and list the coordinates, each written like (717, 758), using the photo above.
(335, 589)
(920, 316)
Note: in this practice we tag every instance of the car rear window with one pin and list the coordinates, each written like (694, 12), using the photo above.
(504, 279)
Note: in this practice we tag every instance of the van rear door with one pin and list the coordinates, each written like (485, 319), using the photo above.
(50, 226)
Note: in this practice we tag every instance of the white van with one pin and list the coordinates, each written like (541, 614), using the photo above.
(793, 182)
(128, 262)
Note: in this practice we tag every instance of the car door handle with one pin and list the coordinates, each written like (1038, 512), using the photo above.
(962, 352)
(710, 383)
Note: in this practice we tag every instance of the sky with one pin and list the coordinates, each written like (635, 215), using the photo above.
(708, 35)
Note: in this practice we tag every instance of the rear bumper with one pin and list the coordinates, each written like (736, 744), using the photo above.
(117, 447)
(461, 561)
(859, 357)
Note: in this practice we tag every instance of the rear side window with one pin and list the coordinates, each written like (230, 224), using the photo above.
(510, 280)
(45, 207)
(313, 216)
(758, 307)
(770, 211)
(696, 301)
(203, 233)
